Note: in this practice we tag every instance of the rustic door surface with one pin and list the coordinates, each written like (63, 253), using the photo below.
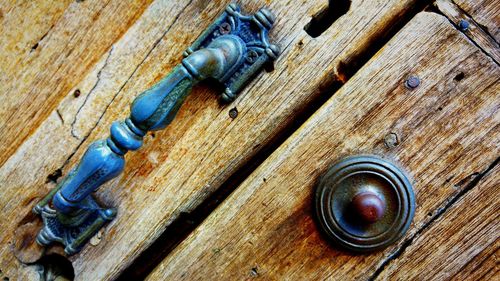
(225, 192)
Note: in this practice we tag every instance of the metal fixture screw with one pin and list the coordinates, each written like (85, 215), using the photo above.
(225, 28)
(463, 25)
(76, 93)
(252, 56)
(412, 82)
(391, 140)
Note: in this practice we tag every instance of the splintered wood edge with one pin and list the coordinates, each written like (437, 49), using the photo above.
(485, 12)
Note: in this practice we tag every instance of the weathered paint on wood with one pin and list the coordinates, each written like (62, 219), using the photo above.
(443, 133)
(182, 165)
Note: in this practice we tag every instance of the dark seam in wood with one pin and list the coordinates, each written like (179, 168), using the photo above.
(60, 116)
(438, 214)
(35, 46)
(186, 222)
(439, 12)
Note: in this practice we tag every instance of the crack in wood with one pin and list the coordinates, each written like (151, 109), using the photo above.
(60, 116)
(437, 214)
(35, 46)
(118, 92)
(99, 73)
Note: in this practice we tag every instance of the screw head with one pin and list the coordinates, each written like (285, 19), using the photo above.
(412, 82)
(233, 113)
(225, 28)
(76, 93)
(252, 56)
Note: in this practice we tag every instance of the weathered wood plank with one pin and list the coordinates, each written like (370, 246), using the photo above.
(443, 133)
(182, 165)
(474, 31)
(485, 12)
(46, 53)
(58, 138)
(467, 229)
(20, 33)
(483, 266)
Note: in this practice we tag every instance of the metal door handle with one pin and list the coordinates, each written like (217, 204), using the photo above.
(232, 51)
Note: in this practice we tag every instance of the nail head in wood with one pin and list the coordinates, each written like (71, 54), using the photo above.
(412, 82)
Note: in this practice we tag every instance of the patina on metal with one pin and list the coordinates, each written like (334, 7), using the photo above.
(364, 203)
(231, 51)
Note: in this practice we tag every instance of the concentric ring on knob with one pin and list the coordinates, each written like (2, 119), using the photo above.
(364, 203)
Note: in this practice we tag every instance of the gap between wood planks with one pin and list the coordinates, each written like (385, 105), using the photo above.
(476, 179)
(187, 222)
(436, 10)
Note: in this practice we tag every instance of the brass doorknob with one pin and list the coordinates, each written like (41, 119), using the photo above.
(364, 203)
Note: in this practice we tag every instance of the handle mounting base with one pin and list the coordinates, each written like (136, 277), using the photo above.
(74, 230)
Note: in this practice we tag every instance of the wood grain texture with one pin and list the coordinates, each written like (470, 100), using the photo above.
(467, 229)
(444, 135)
(182, 165)
(475, 32)
(21, 33)
(483, 266)
(49, 47)
(485, 12)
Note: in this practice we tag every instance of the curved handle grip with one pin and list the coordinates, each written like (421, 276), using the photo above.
(154, 109)
(232, 51)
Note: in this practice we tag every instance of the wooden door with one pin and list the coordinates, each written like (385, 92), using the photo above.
(222, 196)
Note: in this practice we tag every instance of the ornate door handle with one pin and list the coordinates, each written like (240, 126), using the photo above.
(232, 51)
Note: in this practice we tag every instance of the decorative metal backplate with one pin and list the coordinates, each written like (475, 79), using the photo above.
(74, 230)
(253, 32)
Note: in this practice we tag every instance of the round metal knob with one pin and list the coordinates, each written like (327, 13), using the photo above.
(368, 207)
(364, 203)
